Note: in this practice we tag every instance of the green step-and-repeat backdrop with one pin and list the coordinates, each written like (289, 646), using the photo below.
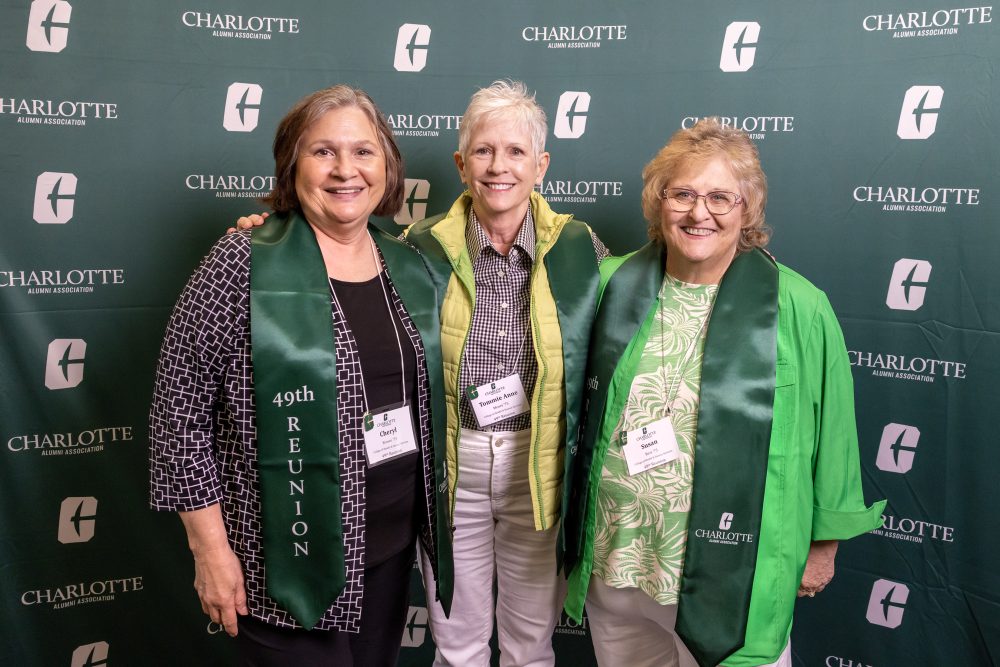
(133, 134)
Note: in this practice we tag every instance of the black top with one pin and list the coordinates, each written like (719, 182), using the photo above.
(391, 488)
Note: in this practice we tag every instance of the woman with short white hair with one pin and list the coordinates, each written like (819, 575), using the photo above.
(517, 284)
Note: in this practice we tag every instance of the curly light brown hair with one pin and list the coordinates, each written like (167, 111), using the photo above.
(705, 140)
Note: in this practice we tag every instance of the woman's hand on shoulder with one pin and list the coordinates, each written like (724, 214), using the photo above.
(248, 222)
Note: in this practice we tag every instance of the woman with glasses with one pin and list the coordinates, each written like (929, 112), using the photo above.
(718, 464)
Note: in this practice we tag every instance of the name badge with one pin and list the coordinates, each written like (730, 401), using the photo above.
(496, 401)
(649, 446)
(389, 434)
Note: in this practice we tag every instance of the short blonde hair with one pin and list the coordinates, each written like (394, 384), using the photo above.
(504, 101)
(705, 140)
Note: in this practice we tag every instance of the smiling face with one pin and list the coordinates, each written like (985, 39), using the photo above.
(500, 168)
(340, 172)
(700, 245)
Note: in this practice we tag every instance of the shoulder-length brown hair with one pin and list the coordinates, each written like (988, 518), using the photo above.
(705, 140)
(307, 111)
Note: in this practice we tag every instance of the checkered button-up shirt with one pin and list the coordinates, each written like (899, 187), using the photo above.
(500, 342)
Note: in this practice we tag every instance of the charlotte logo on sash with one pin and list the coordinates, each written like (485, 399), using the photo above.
(48, 25)
(897, 448)
(412, 44)
(415, 201)
(571, 115)
(415, 630)
(908, 284)
(64, 364)
(242, 107)
(77, 519)
(55, 194)
(723, 535)
(837, 661)
(739, 47)
(91, 655)
(918, 116)
(887, 603)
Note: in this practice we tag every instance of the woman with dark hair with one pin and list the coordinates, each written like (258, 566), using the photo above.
(291, 424)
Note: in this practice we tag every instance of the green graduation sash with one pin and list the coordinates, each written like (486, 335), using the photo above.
(295, 387)
(734, 431)
(730, 460)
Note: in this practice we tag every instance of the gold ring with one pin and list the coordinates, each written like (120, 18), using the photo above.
(811, 594)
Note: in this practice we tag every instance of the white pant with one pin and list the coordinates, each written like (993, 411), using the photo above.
(629, 628)
(495, 536)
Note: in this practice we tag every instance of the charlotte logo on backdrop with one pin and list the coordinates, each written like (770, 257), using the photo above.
(908, 284)
(756, 127)
(901, 198)
(89, 441)
(907, 367)
(422, 125)
(919, 114)
(571, 115)
(928, 23)
(242, 107)
(574, 37)
(415, 630)
(887, 603)
(90, 655)
(413, 41)
(54, 203)
(231, 186)
(57, 112)
(416, 195)
(897, 448)
(234, 26)
(739, 46)
(579, 192)
(77, 519)
(55, 193)
(80, 592)
(48, 25)
(64, 363)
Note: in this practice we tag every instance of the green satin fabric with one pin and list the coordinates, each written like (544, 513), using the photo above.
(409, 275)
(573, 278)
(730, 460)
(292, 340)
(624, 306)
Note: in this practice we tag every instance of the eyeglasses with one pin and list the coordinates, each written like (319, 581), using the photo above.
(683, 200)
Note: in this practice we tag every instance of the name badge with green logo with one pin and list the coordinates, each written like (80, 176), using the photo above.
(389, 434)
(496, 401)
(649, 446)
